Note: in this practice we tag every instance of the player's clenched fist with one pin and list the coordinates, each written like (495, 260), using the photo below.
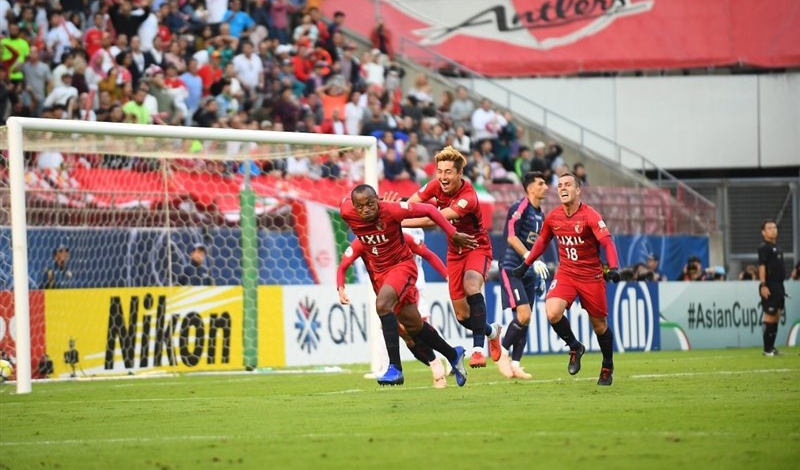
(344, 299)
(613, 275)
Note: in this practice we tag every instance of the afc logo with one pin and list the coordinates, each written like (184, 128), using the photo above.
(307, 325)
(635, 317)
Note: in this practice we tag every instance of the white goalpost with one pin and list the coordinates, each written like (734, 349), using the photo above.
(20, 131)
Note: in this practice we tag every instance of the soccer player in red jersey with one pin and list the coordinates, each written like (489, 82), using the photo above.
(421, 351)
(468, 268)
(579, 231)
(391, 267)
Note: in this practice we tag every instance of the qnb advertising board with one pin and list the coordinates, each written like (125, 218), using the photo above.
(553, 37)
(319, 330)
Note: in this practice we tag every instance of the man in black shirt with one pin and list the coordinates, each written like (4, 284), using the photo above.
(771, 272)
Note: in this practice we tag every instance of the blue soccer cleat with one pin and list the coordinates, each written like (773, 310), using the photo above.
(458, 367)
(392, 376)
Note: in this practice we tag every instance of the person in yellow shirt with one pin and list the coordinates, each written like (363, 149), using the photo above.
(135, 110)
(14, 44)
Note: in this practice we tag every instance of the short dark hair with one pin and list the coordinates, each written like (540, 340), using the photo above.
(363, 189)
(575, 178)
(530, 177)
(767, 221)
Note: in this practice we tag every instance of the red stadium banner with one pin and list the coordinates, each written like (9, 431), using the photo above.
(8, 326)
(558, 37)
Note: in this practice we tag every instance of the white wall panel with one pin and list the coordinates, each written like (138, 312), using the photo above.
(780, 120)
(741, 121)
(690, 122)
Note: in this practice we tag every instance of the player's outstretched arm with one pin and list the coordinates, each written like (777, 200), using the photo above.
(348, 257)
(421, 222)
(459, 239)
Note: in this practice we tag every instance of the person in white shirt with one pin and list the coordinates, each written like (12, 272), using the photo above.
(216, 10)
(307, 29)
(486, 123)
(461, 140)
(148, 31)
(371, 69)
(41, 17)
(86, 112)
(297, 166)
(66, 66)
(62, 93)
(5, 7)
(61, 35)
(353, 114)
(249, 68)
(121, 44)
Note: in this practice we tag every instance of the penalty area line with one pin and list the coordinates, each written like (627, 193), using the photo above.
(416, 435)
(113, 440)
(717, 372)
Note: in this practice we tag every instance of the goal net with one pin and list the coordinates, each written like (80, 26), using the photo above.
(128, 249)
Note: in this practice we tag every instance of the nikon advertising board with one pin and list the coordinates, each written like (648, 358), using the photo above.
(127, 330)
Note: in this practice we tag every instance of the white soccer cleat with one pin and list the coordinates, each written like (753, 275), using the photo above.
(504, 365)
(439, 376)
(519, 372)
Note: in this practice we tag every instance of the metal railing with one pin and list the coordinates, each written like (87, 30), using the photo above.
(553, 123)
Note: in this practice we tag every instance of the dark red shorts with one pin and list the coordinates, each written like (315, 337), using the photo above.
(403, 279)
(592, 293)
(458, 265)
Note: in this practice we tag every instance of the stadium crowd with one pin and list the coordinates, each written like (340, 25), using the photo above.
(260, 64)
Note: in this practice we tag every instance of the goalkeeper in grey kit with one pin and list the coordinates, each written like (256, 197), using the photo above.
(523, 224)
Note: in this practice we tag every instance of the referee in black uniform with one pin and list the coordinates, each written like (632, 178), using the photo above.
(771, 273)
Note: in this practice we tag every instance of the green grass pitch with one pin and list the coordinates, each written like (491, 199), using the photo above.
(720, 409)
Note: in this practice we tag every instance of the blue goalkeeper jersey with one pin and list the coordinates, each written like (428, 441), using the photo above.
(524, 222)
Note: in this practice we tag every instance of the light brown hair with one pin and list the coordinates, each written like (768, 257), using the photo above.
(449, 154)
